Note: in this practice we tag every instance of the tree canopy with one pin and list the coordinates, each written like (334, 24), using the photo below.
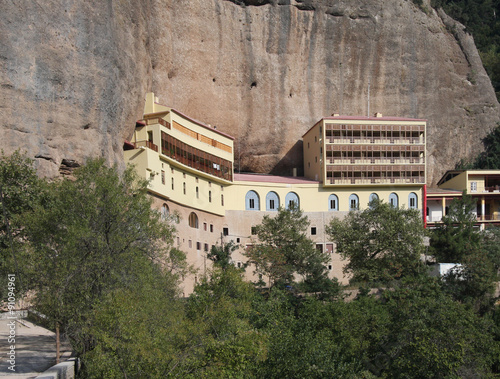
(100, 262)
(380, 243)
(95, 234)
(283, 249)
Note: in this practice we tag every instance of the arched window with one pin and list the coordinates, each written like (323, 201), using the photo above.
(193, 220)
(353, 202)
(333, 202)
(393, 200)
(164, 211)
(290, 198)
(252, 202)
(272, 201)
(373, 197)
(413, 201)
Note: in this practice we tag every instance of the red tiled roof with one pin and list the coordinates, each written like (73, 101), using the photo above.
(273, 179)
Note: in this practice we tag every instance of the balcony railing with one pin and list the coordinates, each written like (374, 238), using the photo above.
(492, 189)
(378, 180)
(489, 217)
(148, 144)
(377, 140)
(375, 160)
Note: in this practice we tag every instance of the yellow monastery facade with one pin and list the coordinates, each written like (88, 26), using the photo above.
(348, 161)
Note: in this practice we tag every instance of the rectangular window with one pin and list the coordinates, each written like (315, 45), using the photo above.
(271, 204)
(412, 203)
(162, 177)
(225, 231)
(319, 247)
(205, 226)
(190, 243)
(198, 245)
(333, 204)
(253, 230)
(211, 228)
(473, 186)
(206, 247)
(222, 200)
(197, 193)
(353, 204)
(313, 231)
(172, 183)
(252, 203)
(184, 188)
(209, 196)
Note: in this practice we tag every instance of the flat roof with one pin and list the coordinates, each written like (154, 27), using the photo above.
(202, 124)
(265, 178)
(441, 191)
(365, 118)
(450, 174)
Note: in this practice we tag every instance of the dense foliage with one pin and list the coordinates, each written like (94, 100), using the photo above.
(489, 159)
(380, 243)
(90, 248)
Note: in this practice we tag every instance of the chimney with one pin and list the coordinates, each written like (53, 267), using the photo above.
(294, 172)
(378, 114)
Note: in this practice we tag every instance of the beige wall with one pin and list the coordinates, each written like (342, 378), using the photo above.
(313, 158)
(314, 197)
(150, 165)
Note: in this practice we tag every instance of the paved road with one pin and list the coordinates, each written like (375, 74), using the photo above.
(35, 349)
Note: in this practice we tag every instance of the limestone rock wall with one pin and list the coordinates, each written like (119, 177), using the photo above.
(73, 74)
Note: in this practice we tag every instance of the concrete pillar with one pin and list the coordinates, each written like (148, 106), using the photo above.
(483, 209)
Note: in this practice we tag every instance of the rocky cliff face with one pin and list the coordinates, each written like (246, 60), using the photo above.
(73, 74)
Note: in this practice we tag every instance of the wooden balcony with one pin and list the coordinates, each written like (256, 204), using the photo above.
(148, 144)
(377, 180)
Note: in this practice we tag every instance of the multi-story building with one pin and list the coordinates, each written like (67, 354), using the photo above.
(348, 162)
(381, 157)
(482, 185)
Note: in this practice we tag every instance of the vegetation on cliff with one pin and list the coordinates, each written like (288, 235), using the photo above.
(483, 21)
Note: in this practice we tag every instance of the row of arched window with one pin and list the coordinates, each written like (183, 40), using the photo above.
(252, 201)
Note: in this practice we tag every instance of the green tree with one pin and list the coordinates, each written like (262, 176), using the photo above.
(20, 191)
(456, 236)
(381, 243)
(283, 249)
(221, 254)
(96, 233)
(140, 331)
(221, 307)
(432, 336)
(490, 158)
